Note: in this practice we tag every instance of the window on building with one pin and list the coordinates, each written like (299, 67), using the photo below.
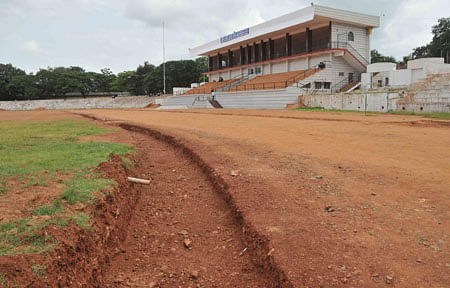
(341, 74)
(351, 36)
(258, 70)
(386, 81)
(307, 86)
(326, 85)
(380, 83)
(318, 85)
(250, 71)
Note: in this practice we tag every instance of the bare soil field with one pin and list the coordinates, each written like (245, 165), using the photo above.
(281, 199)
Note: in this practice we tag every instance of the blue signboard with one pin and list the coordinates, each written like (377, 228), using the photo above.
(235, 35)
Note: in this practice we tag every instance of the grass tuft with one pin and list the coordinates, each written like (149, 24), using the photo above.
(39, 270)
(50, 210)
(84, 188)
(82, 220)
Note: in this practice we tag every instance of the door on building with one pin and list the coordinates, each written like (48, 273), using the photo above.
(350, 77)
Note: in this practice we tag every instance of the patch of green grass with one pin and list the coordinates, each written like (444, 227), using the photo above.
(39, 270)
(84, 188)
(7, 226)
(22, 239)
(82, 220)
(434, 115)
(3, 187)
(3, 280)
(35, 153)
(319, 109)
(31, 148)
(50, 210)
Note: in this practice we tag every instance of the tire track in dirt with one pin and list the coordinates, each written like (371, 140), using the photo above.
(181, 209)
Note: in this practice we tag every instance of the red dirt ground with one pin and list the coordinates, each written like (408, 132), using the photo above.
(318, 200)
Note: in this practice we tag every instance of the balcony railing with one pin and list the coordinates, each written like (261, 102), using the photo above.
(315, 48)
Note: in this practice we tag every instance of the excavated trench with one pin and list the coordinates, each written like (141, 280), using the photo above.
(186, 229)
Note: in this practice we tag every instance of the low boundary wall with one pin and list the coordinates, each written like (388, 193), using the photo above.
(79, 103)
(378, 102)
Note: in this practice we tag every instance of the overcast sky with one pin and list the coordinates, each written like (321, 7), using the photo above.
(120, 34)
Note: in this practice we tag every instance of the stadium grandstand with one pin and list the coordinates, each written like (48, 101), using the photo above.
(313, 50)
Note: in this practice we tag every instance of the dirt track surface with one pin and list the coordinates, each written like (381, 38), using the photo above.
(343, 199)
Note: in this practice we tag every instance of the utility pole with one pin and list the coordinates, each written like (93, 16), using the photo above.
(164, 59)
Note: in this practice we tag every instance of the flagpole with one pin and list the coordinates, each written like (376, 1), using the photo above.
(164, 59)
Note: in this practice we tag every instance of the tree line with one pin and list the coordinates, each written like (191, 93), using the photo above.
(51, 83)
(438, 47)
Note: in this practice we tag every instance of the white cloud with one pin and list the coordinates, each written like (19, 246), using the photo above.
(410, 26)
(31, 46)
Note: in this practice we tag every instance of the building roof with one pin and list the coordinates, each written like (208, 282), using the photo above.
(306, 17)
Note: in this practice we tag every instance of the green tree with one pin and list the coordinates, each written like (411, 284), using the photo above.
(125, 82)
(103, 80)
(7, 72)
(178, 74)
(440, 45)
(23, 87)
(203, 64)
(377, 57)
(421, 52)
(141, 73)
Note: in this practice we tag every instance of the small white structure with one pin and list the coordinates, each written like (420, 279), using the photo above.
(180, 90)
(381, 75)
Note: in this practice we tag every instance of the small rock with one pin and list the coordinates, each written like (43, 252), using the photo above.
(234, 173)
(319, 177)
(373, 194)
(187, 243)
(419, 260)
(389, 279)
(330, 209)
(194, 274)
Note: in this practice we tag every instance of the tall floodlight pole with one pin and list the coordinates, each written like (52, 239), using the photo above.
(164, 59)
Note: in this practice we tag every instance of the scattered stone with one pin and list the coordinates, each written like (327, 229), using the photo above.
(389, 279)
(330, 209)
(243, 251)
(373, 194)
(319, 177)
(329, 267)
(194, 274)
(187, 243)
(419, 260)
(271, 251)
(234, 173)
